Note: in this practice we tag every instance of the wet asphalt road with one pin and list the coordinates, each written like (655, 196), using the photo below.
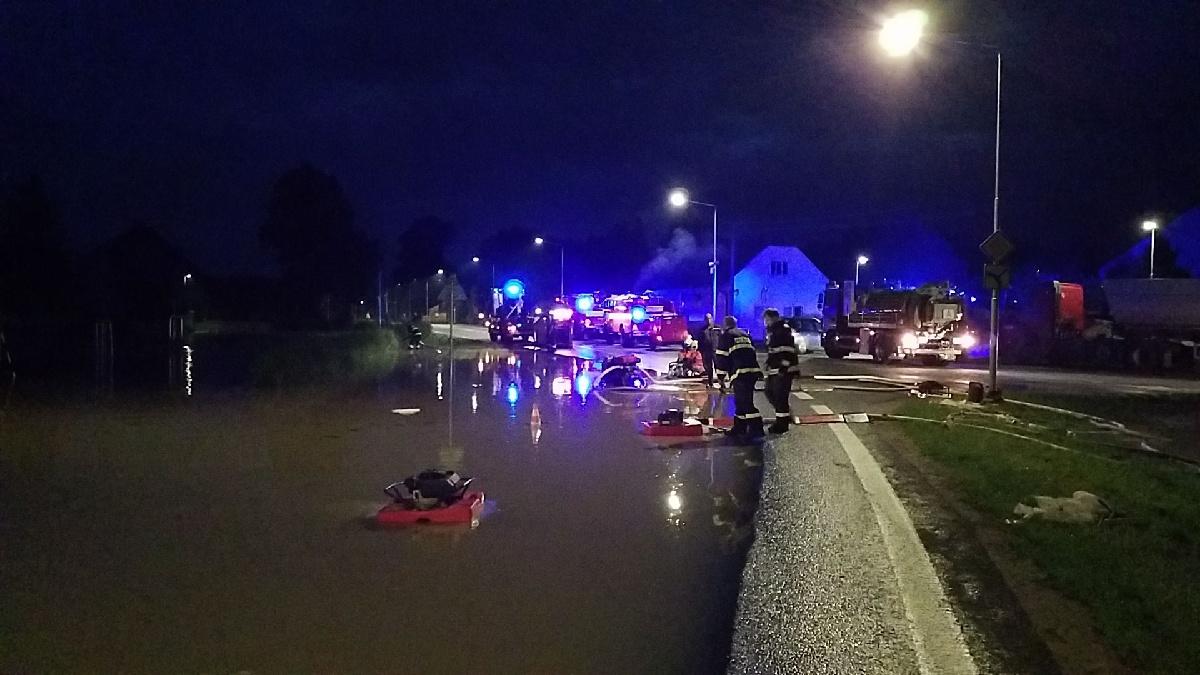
(832, 584)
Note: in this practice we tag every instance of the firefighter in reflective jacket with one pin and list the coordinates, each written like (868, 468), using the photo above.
(736, 360)
(783, 364)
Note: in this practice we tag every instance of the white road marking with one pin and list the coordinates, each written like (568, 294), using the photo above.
(936, 634)
(802, 395)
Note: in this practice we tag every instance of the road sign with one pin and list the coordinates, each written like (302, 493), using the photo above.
(996, 247)
(997, 277)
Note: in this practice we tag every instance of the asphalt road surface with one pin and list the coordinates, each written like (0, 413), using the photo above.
(1013, 379)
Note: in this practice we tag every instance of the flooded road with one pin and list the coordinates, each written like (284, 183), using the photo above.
(228, 530)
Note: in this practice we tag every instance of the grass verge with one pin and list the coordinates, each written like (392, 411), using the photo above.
(1135, 573)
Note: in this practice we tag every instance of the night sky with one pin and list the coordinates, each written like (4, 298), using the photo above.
(566, 115)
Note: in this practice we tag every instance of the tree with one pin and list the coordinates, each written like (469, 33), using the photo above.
(328, 265)
(35, 271)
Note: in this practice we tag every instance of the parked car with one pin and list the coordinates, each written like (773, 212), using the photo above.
(807, 333)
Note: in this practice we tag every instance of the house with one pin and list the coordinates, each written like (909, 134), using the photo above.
(781, 277)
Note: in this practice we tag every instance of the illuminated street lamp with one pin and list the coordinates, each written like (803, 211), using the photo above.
(859, 262)
(902, 32)
(899, 36)
(562, 267)
(1151, 226)
(475, 259)
(679, 198)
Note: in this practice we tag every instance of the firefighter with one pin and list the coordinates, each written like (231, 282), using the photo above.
(783, 364)
(708, 342)
(737, 362)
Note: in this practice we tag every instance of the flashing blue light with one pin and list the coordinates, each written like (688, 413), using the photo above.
(583, 385)
(514, 289)
(638, 314)
(974, 299)
(513, 393)
(585, 303)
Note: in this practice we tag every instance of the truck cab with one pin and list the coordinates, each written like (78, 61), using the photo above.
(921, 324)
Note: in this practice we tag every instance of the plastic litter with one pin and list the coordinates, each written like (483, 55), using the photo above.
(1081, 508)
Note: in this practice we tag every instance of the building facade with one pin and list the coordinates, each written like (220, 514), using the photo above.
(781, 277)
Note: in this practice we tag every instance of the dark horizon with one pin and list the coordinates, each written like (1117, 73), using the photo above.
(567, 119)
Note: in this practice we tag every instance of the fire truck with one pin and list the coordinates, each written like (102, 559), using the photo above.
(632, 318)
(922, 324)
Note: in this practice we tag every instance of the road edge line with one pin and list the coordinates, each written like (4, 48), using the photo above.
(936, 634)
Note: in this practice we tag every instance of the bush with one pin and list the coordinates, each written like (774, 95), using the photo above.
(364, 353)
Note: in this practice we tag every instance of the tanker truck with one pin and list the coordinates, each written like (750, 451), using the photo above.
(920, 324)
(1143, 323)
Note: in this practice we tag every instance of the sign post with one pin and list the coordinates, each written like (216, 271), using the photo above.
(996, 276)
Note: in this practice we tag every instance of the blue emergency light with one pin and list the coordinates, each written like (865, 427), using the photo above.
(514, 289)
(585, 303)
(638, 314)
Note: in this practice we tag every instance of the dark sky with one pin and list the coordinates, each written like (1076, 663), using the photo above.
(568, 115)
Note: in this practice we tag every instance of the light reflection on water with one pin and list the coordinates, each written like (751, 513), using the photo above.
(187, 369)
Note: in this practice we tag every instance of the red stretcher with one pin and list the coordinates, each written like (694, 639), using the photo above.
(465, 510)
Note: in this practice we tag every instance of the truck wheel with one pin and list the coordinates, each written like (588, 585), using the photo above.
(835, 353)
(881, 351)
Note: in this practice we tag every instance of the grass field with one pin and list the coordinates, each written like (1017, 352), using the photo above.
(1136, 572)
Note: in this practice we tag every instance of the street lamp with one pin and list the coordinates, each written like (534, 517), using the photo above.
(440, 272)
(901, 33)
(562, 256)
(188, 277)
(859, 262)
(1151, 226)
(679, 198)
(899, 36)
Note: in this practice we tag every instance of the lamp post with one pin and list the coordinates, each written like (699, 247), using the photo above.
(1151, 226)
(859, 262)
(562, 257)
(679, 198)
(440, 272)
(899, 36)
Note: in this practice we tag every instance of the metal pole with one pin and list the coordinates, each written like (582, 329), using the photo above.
(426, 310)
(856, 266)
(1153, 234)
(714, 268)
(994, 335)
(562, 257)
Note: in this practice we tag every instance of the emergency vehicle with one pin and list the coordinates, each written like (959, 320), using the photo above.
(589, 316)
(633, 318)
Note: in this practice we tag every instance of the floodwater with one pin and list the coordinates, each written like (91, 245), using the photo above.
(228, 530)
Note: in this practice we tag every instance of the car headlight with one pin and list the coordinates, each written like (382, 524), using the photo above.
(965, 341)
(512, 329)
(909, 341)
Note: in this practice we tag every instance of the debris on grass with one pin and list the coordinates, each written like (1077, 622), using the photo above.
(1081, 507)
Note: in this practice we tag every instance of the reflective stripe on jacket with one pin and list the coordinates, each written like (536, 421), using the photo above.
(734, 356)
(782, 355)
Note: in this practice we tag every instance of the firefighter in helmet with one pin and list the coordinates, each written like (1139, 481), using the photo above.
(737, 362)
(783, 364)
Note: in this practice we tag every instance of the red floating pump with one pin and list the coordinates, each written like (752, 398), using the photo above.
(465, 510)
(431, 496)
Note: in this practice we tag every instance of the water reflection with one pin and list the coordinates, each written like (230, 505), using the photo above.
(535, 424)
(187, 369)
(560, 386)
